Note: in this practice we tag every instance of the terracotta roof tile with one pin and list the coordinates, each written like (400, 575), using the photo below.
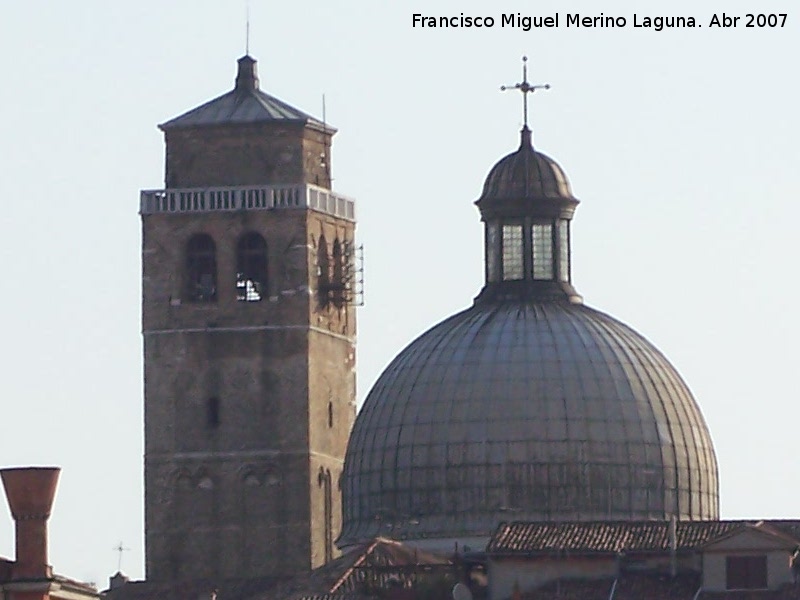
(604, 536)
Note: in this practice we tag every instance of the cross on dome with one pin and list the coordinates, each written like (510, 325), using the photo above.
(526, 88)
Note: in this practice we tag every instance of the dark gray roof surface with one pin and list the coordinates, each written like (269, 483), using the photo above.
(544, 411)
(246, 103)
(252, 106)
(525, 174)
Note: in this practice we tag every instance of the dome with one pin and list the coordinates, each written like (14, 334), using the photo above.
(525, 410)
(525, 174)
(528, 406)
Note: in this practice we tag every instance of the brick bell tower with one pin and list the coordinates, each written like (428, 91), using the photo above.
(249, 341)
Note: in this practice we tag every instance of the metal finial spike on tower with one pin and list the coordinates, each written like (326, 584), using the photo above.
(526, 88)
(325, 157)
(247, 31)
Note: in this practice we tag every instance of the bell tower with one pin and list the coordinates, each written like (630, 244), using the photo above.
(249, 341)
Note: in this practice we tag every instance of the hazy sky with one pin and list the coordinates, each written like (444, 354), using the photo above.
(682, 145)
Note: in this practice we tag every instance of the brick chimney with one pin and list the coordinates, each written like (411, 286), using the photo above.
(30, 492)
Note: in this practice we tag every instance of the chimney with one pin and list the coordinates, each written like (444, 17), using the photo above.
(30, 492)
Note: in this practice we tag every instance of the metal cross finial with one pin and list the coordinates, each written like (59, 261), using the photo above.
(120, 549)
(526, 88)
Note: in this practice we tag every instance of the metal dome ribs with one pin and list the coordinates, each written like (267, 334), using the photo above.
(532, 411)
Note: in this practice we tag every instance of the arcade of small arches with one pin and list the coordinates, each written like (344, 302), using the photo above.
(201, 268)
(201, 277)
(249, 477)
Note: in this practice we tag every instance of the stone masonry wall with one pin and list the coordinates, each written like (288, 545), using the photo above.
(332, 385)
(249, 154)
(243, 498)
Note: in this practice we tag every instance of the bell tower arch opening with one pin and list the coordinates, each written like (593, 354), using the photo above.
(251, 268)
(201, 269)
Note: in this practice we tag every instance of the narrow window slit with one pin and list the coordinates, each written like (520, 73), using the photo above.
(213, 413)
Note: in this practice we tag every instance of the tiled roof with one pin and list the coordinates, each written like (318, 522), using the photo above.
(381, 559)
(76, 585)
(611, 537)
(73, 585)
(235, 589)
(787, 526)
(384, 561)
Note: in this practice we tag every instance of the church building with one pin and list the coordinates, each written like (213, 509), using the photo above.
(529, 438)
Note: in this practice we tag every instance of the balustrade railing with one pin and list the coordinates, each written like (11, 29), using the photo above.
(265, 197)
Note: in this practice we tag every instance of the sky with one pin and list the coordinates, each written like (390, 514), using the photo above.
(681, 145)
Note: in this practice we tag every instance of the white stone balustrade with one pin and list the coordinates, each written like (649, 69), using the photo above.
(263, 197)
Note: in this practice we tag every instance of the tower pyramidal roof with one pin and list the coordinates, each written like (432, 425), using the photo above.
(244, 104)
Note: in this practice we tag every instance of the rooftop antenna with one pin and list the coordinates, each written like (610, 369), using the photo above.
(526, 88)
(326, 164)
(119, 548)
(247, 31)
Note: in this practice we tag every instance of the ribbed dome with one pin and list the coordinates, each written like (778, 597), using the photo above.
(525, 174)
(525, 410)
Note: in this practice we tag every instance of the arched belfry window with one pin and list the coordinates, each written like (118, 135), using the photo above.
(251, 268)
(323, 270)
(201, 269)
